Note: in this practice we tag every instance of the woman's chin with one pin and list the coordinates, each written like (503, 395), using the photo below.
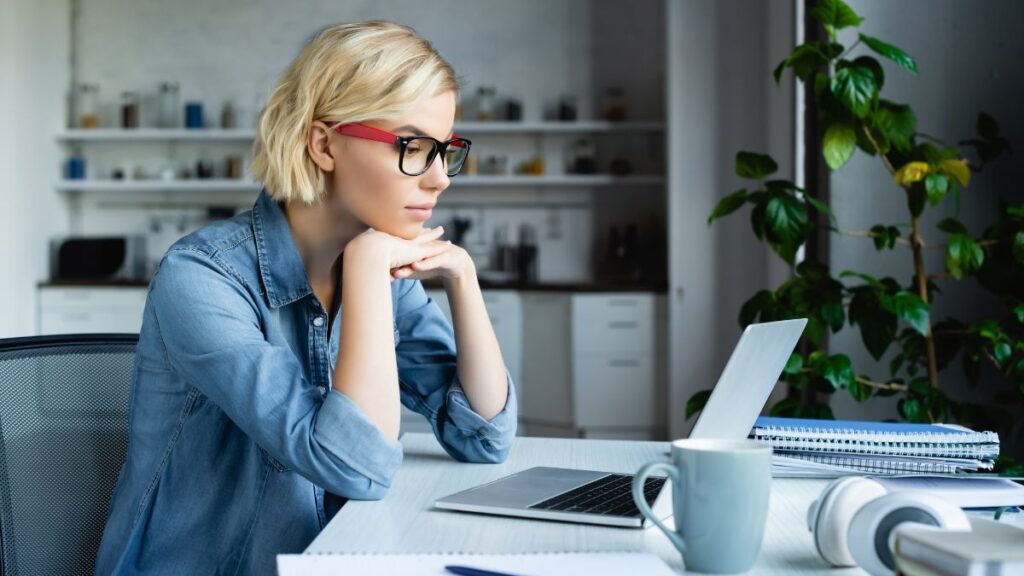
(406, 230)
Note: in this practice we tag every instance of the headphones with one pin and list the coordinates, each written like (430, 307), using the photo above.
(855, 521)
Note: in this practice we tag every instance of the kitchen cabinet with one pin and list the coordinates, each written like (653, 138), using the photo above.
(91, 309)
(592, 365)
(504, 307)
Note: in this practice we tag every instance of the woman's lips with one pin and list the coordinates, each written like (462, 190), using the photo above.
(421, 213)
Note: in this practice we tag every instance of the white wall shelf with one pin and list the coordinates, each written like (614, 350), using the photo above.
(245, 135)
(221, 185)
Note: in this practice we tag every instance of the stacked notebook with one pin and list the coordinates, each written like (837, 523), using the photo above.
(835, 447)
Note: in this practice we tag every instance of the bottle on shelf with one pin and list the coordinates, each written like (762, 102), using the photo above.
(87, 105)
(129, 109)
(169, 107)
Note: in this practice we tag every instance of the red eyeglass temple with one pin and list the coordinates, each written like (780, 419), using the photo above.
(369, 133)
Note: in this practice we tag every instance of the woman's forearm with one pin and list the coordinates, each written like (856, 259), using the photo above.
(367, 370)
(480, 365)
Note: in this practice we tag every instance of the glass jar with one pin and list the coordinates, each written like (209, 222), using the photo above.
(227, 115)
(87, 105)
(485, 103)
(169, 105)
(129, 109)
(614, 109)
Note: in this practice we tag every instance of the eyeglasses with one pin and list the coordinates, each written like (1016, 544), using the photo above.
(415, 153)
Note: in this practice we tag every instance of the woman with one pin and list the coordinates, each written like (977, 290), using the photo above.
(277, 346)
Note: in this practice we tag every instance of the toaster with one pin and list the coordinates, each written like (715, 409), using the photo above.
(120, 258)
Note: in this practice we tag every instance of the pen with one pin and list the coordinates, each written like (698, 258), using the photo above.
(469, 571)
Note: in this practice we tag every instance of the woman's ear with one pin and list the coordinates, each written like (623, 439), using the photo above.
(319, 146)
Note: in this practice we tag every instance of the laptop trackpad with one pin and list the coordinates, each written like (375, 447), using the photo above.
(524, 488)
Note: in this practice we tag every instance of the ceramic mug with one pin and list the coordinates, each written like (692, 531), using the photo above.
(720, 491)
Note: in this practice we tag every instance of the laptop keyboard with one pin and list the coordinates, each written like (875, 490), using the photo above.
(611, 495)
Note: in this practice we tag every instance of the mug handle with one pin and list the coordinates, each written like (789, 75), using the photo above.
(645, 509)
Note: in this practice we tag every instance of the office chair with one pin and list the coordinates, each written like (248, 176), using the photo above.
(63, 438)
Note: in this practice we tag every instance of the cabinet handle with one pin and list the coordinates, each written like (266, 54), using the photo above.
(623, 302)
(623, 363)
(623, 325)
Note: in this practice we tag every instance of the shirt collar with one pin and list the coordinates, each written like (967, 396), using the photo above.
(281, 268)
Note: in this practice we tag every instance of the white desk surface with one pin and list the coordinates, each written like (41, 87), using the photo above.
(405, 520)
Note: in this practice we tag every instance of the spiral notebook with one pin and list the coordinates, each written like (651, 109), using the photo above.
(532, 564)
(823, 447)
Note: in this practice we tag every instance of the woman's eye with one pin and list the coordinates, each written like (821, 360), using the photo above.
(412, 150)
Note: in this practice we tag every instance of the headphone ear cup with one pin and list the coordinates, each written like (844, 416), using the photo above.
(829, 517)
(873, 528)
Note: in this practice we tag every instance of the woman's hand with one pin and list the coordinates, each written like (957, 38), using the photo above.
(451, 263)
(425, 256)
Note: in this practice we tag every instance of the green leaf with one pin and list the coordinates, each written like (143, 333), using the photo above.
(896, 363)
(835, 15)
(869, 63)
(820, 207)
(1018, 247)
(696, 402)
(877, 325)
(860, 392)
(897, 122)
(838, 370)
(756, 306)
(963, 255)
(785, 407)
(988, 128)
(807, 58)
(889, 51)
(1019, 311)
(728, 205)
(786, 222)
(885, 236)
(855, 87)
(1002, 352)
(909, 307)
(794, 364)
(912, 410)
(936, 185)
(838, 143)
(952, 226)
(754, 166)
(833, 315)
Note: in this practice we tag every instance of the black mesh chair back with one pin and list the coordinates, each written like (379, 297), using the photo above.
(63, 437)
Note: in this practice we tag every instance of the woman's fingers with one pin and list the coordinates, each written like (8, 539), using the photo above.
(429, 235)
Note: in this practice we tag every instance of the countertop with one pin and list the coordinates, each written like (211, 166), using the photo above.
(592, 286)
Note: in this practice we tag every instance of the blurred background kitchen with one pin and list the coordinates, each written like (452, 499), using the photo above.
(603, 135)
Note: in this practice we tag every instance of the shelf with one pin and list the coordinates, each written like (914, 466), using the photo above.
(155, 135)
(525, 181)
(247, 135)
(157, 186)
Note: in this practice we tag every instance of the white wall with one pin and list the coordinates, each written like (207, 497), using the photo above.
(969, 60)
(33, 79)
(722, 100)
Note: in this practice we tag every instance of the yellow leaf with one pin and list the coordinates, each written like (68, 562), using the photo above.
(957, 168)
(911, 172)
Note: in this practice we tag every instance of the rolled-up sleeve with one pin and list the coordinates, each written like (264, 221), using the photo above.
(430, 384)
(210, 325)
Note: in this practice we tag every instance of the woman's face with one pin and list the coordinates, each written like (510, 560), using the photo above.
(367, 184)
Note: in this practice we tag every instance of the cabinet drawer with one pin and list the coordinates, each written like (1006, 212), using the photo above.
(613, 390)
(92, 298)
(613, 324)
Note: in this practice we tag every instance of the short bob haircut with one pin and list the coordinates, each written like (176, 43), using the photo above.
(355, 72)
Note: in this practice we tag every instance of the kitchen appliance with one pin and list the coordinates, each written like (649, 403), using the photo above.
(109, 258)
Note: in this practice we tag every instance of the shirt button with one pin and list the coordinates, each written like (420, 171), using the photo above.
(318, 321)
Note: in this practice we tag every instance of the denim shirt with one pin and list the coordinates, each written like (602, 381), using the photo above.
(235, 432)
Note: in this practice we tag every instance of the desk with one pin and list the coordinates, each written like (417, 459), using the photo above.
(405, 520)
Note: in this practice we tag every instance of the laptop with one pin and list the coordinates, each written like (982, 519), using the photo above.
(595, 497)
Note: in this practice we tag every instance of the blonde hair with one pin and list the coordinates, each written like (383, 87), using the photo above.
(348, 73)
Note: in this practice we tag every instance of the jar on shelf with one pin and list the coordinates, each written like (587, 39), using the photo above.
(485, 103)
(169, 105)
(87, 105)
(227, 115)
(567, 107)
(614, 109)
(129, 109)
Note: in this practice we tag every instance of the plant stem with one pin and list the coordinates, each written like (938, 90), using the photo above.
(881, 385)
(917, 244)
(922, 289)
